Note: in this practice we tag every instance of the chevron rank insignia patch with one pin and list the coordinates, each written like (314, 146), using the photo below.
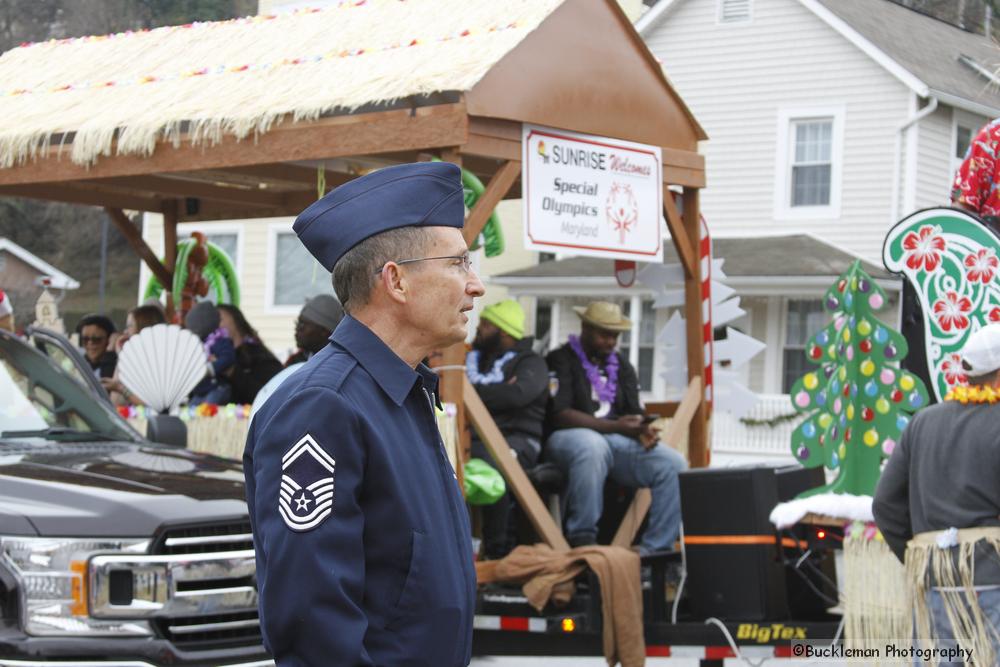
(306, 495)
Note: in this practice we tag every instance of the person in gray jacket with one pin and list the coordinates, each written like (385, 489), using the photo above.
(938, 507)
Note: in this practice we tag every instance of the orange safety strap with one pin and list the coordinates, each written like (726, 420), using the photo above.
(743, 539)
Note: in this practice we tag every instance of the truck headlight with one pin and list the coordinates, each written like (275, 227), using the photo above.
(52, 576)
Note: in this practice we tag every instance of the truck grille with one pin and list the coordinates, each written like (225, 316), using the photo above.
(205, 539)
(197, 587)
(216, 631)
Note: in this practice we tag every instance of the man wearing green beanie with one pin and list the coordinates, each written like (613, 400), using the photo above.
(512, 381)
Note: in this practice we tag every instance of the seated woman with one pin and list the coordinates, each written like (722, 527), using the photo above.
(95, 336)
(255, 364)
(137, 319)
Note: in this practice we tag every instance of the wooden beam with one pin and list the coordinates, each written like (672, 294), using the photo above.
(517, 481)
(290, 173)
(679, 234)
(175, 187)
(694, 325)
(420, 128)
(134, 238)
(495, 191)
(85, 197)
(636, 512)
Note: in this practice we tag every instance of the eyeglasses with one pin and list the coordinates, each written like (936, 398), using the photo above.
(92, 339)
(465, 259)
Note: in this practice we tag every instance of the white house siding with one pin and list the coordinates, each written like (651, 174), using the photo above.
(935, 143)
(737, 77)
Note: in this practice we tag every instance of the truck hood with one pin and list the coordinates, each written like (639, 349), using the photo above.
(112, 489)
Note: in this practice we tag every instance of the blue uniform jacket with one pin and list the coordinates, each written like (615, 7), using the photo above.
(364, 554)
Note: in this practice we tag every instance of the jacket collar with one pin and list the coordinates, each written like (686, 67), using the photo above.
(391, 373)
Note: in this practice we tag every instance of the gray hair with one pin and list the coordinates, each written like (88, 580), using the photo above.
(355, 274)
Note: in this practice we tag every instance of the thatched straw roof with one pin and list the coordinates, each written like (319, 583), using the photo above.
(240, 76)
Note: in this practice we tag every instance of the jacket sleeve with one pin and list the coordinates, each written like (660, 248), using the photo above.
(630, 388)
(559, 365)
(225, 355)
(531, 379)
(311, 580)
(891, 505)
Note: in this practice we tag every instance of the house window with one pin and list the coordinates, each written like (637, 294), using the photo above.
(647, 342)
(963, 137)
(228, 243)
(734, 11)
(296, 274)
(810, 148)
(224, 235)
(804, 318)
(543, 318)
(812, 165)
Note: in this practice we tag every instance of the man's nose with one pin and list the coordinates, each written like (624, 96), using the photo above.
(475, 286)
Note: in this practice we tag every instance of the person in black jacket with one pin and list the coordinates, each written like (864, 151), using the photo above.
(511, 379)
(255, 364)
(597, 429)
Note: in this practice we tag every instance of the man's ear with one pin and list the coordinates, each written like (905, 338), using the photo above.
(394, 283)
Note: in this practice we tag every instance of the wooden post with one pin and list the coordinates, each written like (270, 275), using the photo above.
(131, 234)
(170, 213)
(692, 400)
(453, 359)
(495, 191)
(698, 432)
(518, 482)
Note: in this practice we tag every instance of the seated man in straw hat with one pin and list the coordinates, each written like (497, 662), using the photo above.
(597, 429)
(938, 506)
(511, 379)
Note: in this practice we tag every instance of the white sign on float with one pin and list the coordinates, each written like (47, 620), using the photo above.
(588, 195)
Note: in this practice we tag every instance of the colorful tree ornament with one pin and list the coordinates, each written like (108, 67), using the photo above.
(858, 399)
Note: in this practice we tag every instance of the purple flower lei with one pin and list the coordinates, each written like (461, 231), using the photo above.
(604, 388)
(212, 337)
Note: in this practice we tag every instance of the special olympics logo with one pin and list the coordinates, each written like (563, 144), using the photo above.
(621, 209)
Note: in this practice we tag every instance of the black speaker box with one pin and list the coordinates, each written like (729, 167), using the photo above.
(733, 579)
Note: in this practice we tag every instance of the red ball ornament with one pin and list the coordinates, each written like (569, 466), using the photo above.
(815, 352)
(896, 396)
(847, 435)
(841, 285)
(865, 345)
(847, 390)
(867, 414)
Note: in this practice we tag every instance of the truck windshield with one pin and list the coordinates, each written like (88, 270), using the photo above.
(40, 400)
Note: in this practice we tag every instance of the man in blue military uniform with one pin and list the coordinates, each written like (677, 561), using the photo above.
(364, 554)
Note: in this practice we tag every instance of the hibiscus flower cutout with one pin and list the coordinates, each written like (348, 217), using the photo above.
(950, 311)
(982, 266)
(924, 248)
(952, 369)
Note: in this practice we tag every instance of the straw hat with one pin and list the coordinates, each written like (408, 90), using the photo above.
(604, 315)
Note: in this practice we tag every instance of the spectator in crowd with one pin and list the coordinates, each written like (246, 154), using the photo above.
(137, 319)
(511, 379)
(95, 332)
(255, 364)
(598, 429)
(318, 318)
(6, 312)
(975, 185)
(205, 322)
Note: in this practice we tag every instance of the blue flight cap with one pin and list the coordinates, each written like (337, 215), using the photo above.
(422, 194)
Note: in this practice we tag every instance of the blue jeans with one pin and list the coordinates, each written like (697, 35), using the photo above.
(989, 601)
(587, 457)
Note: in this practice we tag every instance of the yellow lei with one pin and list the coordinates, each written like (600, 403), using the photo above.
(976, 394)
